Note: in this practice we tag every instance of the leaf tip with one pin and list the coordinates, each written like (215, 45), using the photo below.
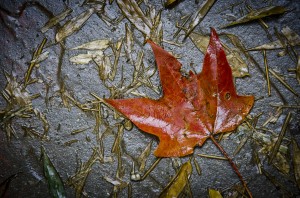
(215, 42)
(213, 33)
(153, 44)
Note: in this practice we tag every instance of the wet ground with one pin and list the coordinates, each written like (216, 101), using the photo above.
(63, 86)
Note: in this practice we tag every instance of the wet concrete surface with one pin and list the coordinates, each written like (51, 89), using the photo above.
(19, 37)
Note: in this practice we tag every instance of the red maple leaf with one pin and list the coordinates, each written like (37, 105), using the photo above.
(192, 109)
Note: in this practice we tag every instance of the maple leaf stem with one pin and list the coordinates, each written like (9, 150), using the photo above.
(236, 170)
